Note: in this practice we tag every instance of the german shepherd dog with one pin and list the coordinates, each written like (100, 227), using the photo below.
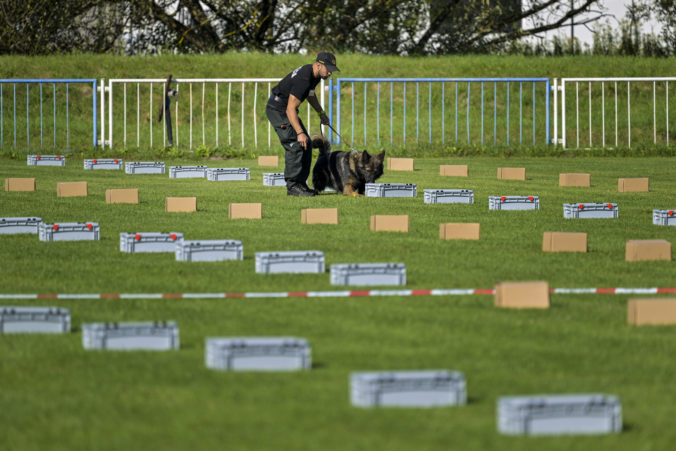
(345, 172)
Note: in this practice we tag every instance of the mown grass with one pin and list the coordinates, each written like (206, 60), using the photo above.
(55, 395)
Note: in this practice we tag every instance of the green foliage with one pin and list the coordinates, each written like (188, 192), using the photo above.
(401, 27)
(169, 152)
(623, 39)
(204, 151)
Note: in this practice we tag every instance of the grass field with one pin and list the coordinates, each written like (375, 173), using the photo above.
(55, 395)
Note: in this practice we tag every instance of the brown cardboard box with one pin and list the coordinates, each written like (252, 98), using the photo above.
(245, 211)
(71, 189)
(19, 184)
(459, 231)
(400, 164)
(512, 173)
(651, 311)
(319, 216)
(269, 160)
(564, 242)
(522, 295)
(180, 204)
(633, 185)
(454, 170)
(574, 179)
(640, 250)
(122, 196)
(389, 223)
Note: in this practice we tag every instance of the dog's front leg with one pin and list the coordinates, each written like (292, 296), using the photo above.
(349, 191)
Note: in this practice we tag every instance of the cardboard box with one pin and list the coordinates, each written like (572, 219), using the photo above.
(389, 223)
(269, 160)
(574, 179)
(633, 185)
(522, 295)
(512, 173)
(454, 170)
(20, 184)
(245, 211)
(122, 196)
(651, 311)
(641, 250)
(319, 216)
(400, 164)
(71, 189)
(180, 204)
(459, 231)
(564, 242)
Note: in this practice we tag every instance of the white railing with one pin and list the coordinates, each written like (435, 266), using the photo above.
(586, 112)
(622, 91)
(209, 115)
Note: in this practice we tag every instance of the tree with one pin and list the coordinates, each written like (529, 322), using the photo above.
(367, 26)
(665, 13)
(32, 27)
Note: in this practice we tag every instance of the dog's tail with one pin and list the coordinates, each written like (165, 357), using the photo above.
(320, 173)
(321, 143)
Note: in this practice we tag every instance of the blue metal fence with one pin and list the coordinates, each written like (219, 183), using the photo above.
(530, 109)
(68, 111)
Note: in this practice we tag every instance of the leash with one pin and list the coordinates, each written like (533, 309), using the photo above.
(341, 138)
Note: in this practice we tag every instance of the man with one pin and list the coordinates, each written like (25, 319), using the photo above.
(282, 112)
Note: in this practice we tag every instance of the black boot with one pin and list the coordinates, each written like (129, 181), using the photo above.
(298, 189)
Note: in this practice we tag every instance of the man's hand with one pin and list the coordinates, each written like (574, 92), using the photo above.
(303, 140)
(324, 119)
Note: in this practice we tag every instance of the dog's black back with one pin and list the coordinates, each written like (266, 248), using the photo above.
(345, 172)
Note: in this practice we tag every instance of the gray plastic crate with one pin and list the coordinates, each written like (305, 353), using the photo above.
(153, 336)
(449, 196)
(368, 274)
(290, 261)
(273, 179)
(435, 388)
(47, 320)
(144, 167)
(513, 202)
(258, 354)
(227, 174)
(590, 210)
(391, 190)
(187, 172)
(46, 160)
(664, 217)
(149, 241)
(69, 231)
(10, 226)
(559, 414)
(104, 163)
(209, 251)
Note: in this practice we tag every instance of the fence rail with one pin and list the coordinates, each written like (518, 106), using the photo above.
(73, 113)
(491, 113)
(616, 111)
(239, 108)
(586, 112)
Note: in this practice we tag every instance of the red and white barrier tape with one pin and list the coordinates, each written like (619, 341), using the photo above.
(330, 294)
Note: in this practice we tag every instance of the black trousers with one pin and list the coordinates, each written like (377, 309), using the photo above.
(297, 161)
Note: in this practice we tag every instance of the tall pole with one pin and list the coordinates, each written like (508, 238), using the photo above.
(572, 23)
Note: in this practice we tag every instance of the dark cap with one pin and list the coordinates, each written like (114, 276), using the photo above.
(328, 60)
